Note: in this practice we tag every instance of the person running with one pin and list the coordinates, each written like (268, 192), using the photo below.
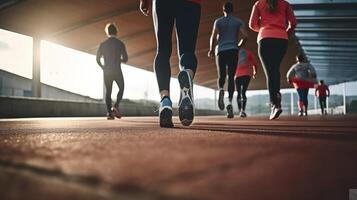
(246, 69)
(185, 16)
(224, 39)
(303, 76)
(322, 91)
(274, 20)
(113, 52)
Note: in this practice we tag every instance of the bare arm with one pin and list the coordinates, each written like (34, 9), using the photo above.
(213, 42)
(145, 7)
(244, 35)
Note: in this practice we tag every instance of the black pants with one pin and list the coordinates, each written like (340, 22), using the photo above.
(242, 84)
(322, 101)
(185, 15)
(303, 96)
(109, 78)
(271, 53)
(227, 59)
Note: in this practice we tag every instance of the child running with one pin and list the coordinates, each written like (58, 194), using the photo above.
(246, 69)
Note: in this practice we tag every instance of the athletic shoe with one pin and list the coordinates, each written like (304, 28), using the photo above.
(230, 111)
(186, 106)
(221, 99)
(301, 113)
(305, 113)
(243, 114)
(110, 116)
(275, 112)
(165, 113)
(116, 112)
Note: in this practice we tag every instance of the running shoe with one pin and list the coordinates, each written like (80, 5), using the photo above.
(301, 113)
(221, 99)
(165, 113)
(186, 106)
(110, 116)
(116, 112)
(243, 114)
(305, 113)
(230, 111)
(275, 112)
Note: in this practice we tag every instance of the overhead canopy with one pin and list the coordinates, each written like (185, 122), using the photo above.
(79, 24)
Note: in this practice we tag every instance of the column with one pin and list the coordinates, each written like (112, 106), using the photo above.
(344, 99)
(36, 67)
(292, 103)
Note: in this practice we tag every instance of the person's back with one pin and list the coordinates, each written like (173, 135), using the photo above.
(229, 28)
(273, 24)
(302, 75)
(246, 63)
(114, 53)
(321, 90)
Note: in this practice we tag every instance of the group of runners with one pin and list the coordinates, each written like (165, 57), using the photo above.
(274, 21)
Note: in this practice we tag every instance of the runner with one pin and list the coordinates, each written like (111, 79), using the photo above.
(185, 16)
(303, 76)
(224, 39)
(270, 19)
(113, 52)
(247, 68)
(322, 91)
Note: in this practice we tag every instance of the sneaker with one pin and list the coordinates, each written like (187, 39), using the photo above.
(243, 114)
(301, 113)
(305, 113)
(110, 116)
(186, 106)
(230, 111)
(221, 99)
(275, 112)
(165, 113)
(116, 112)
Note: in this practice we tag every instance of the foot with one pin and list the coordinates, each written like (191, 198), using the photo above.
(165, 113)
(186, 106)
(230, 111)
(275, 112)
(243, 114)
(305, 113)
(301, 113)
(110, 116)
(221, 99)
(116, 112)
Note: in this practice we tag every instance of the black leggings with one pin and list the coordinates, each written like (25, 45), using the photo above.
(242, 84)
(109, 78)
(303, 96)
(185, 15)
(322, 103)
(227, 59)
(271, 53)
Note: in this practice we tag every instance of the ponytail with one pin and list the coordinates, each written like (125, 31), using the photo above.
(272, 4)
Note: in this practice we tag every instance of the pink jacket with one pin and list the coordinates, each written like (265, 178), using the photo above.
(275, 24)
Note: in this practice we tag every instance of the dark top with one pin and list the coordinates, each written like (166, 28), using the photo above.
(114, 53)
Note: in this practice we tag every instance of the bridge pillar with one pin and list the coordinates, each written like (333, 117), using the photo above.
(36, 67)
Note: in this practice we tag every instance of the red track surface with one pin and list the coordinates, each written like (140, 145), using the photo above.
(216, 158)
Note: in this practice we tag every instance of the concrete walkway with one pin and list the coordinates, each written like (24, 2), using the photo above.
(92, 158)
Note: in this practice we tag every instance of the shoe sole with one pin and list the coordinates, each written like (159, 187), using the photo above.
(230, 111)
(186, 107)
(277, 114)
(166, 118)
(220, 100)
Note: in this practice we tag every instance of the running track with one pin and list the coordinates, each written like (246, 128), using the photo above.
(92, 158)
